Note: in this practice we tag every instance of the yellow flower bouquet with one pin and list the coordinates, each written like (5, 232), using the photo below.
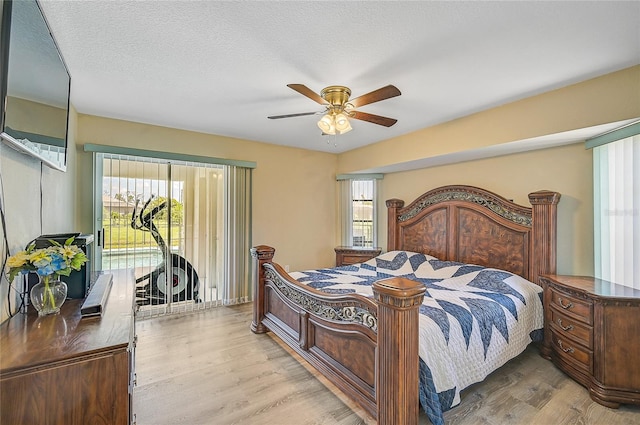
(49, 264)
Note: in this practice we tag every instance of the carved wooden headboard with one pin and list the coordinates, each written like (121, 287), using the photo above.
(475, 226)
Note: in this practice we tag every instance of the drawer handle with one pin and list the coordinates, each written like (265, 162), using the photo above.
(564, 328)
(566, 350)
(567, 306)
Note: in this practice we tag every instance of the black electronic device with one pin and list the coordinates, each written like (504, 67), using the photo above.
(96, 300)
(78, 281)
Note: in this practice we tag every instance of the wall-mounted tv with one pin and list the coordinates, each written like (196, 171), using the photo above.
(35, 85)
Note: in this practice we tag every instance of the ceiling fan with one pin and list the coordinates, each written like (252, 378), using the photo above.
(338, 107)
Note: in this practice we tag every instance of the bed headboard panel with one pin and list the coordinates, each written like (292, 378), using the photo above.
(472, 225)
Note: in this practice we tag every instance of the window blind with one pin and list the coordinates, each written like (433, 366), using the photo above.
(616, 170)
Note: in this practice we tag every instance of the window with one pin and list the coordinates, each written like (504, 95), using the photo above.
(362, 212)
(358, 208)
(616, 170)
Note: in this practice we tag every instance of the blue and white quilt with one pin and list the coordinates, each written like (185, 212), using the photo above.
(473, 319)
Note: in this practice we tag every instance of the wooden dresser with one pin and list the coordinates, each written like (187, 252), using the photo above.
(592, 333)
(346, 255)
(65, 369)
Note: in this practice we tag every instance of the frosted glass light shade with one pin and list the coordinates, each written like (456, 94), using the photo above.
(342, 123)
(327, 125)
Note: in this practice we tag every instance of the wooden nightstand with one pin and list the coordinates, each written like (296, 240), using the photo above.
(346, 255)
(592, 333)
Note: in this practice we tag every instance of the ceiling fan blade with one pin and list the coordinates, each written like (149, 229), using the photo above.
(376, 119)
(306, 91)
(275, 117)
(376, 96)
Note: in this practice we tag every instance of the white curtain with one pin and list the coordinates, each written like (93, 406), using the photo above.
(237, 286)
(616, 168)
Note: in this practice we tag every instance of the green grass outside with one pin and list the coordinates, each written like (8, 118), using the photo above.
(121, 235)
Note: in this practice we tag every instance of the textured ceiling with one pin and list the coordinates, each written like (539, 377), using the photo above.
(222, 67)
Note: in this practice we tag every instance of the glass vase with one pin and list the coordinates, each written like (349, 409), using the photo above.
(48, 295)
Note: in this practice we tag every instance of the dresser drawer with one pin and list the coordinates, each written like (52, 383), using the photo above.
(571, 352)
(591, 333)
(566, 326)
(573, 307)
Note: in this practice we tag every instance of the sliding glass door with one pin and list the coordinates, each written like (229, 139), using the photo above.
(171, 222)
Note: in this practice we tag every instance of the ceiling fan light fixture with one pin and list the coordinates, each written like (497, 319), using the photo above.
(327, 125)
(342, 123)
(339, 110)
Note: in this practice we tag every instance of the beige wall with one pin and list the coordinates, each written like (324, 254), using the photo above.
(566, 169)
(610, 98)
(293, 189)
(27, 214)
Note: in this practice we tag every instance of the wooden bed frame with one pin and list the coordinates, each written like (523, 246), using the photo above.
(369, 347)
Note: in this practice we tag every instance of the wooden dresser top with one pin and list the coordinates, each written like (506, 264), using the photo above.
(29, 341)
(594, 286)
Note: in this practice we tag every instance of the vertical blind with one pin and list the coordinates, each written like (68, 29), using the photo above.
(616, 167)
(207, 223)
(237, 230)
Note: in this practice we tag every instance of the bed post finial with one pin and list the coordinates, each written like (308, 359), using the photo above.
(397, 398)
(393, 205)
(261, 254)
(544, 229)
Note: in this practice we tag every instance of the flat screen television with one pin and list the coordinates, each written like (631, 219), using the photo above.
(35, 85)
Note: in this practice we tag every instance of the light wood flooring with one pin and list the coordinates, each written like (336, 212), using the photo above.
(209, 368)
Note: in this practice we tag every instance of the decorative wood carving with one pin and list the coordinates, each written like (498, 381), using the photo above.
(261, 254)
(428, 235)
(393, 205)
(544, 233)
(340, 309)
(485, 199)
(472, 225)
(481, 240)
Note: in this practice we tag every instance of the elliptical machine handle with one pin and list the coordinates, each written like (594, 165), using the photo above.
(134, 215)
(149, 216)
(144, 220)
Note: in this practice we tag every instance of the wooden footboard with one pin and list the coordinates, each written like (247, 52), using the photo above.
(352, 340)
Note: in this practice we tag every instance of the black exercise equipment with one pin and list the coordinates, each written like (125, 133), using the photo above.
(183, 285)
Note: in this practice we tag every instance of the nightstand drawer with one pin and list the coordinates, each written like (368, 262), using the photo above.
(574, 307)
(346, 255)
(565, 326)
(352, 259)
(571, 352)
